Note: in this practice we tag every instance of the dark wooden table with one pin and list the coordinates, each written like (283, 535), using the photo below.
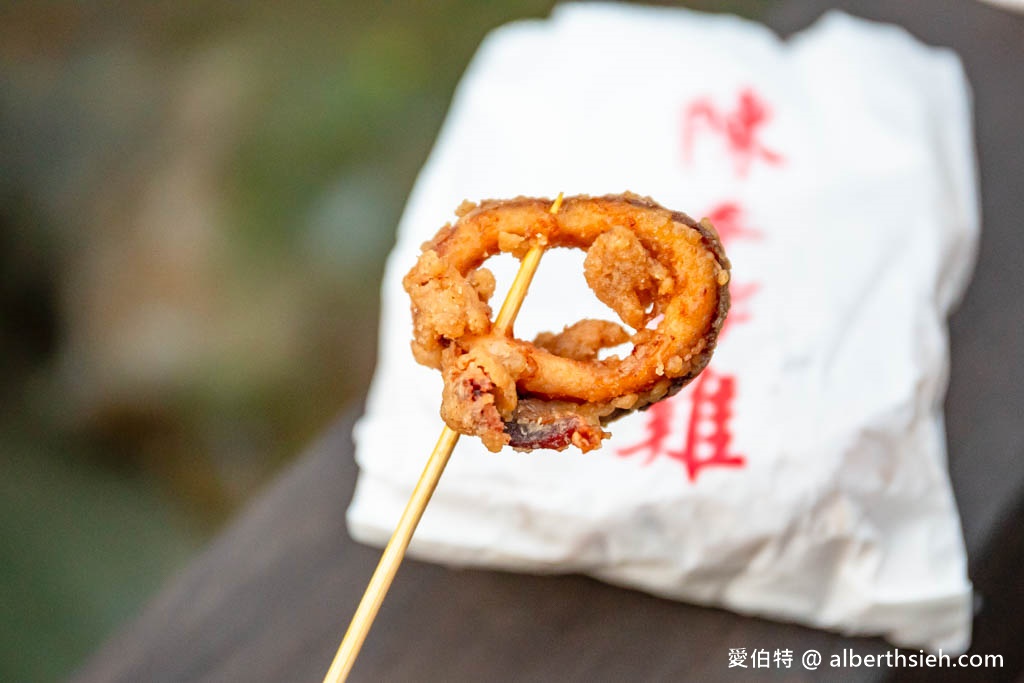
(271, 597)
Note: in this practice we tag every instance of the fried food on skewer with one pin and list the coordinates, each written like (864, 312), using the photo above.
(665, 275)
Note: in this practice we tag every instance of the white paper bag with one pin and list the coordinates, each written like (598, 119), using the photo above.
(803, 475)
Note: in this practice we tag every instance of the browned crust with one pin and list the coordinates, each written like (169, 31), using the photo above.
(579, 395)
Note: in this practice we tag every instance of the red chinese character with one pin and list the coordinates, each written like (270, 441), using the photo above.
(728, 220)
(659, 425)
(711, 404)
(708, 437)
(738, 127)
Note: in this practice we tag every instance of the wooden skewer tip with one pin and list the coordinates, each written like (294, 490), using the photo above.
(394, 552)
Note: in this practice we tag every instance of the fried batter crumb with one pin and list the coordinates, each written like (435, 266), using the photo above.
(482, 280)
(510, 242)
(582, 340)
(624, 275)
(663, 274)
(446, 305)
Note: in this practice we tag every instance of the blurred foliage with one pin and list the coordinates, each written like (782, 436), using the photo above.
(80, 547)
(195, 205)
(196, 200)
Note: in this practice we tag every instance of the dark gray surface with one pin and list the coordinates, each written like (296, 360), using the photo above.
(270, 599)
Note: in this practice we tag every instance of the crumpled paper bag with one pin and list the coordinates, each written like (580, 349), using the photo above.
(803, 475)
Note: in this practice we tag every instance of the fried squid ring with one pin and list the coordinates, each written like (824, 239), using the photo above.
(665, 275)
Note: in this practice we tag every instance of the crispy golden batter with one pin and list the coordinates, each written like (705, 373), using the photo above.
(625, 276)
(663, 274)
(582, 340)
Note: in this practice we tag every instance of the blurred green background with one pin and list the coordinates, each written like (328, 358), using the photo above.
(196, 200)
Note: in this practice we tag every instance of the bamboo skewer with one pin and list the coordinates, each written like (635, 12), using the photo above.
(394, 552)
